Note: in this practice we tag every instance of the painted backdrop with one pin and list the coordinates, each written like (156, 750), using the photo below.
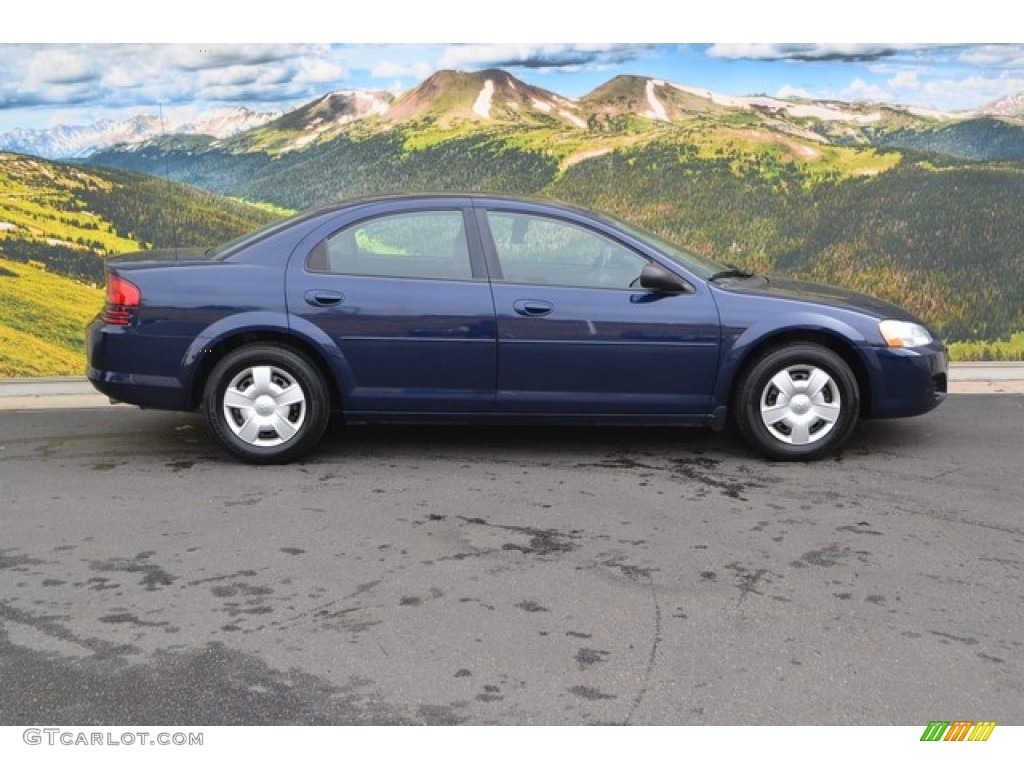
(894, 170)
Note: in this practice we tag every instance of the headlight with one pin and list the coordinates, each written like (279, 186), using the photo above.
(899, 333)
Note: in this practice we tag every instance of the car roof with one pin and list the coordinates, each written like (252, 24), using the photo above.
(469, 197)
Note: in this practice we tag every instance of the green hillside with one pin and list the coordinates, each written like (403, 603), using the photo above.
(57, 223)
(68, 217)
(42, 321)
(945, 242)
(982, 139)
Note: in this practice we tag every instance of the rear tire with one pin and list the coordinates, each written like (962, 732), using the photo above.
(798, 402)
(266, 404)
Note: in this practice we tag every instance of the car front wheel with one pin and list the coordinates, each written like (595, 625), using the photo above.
(798, 402)
(266, 404)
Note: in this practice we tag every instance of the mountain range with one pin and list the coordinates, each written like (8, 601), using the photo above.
(494, 96)
(68, 141)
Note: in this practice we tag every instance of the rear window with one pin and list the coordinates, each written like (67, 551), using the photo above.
(222, 251)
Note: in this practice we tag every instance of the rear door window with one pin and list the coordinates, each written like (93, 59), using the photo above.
(418, 244)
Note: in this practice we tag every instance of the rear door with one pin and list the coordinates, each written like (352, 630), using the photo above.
(576, 335)
(403, 295)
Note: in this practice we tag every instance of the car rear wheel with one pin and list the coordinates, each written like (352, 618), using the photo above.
(266, 404)
(798, 402)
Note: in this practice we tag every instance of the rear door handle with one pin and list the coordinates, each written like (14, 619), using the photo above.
(324, 298)
(532, 307)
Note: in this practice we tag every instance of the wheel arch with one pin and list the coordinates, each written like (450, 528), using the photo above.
(825, 337)
(214, 352)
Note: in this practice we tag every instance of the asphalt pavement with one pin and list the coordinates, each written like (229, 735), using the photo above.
(510, 575)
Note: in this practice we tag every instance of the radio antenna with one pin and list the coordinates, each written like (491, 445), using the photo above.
(167, 177)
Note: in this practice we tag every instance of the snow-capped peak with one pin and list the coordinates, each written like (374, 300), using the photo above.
(221, 123)
(1008, 106)
(65, 141)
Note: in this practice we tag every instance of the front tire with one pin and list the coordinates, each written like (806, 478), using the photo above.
(798, 402)
(266, 404)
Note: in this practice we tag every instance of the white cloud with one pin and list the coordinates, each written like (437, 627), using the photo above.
(212, 56)
(972, 91)
(906, 79)
(794, 92)
(311, 69)
(232, 75)
(124, 77)
(812, 51)
(388, 68)
(859, 90)
(1000, 56)
(60, 66)
(537, 55)
(117, 77)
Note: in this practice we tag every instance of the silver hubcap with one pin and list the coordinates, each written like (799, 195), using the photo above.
(800, 405)
(264, 406)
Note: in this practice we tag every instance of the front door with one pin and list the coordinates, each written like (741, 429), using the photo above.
(576, 333)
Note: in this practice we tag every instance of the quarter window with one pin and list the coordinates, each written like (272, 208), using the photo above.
(421, 244)
(543, 251)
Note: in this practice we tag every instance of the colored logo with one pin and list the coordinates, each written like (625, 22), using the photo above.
(958, 730)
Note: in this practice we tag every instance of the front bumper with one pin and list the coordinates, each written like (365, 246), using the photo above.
(908, 382)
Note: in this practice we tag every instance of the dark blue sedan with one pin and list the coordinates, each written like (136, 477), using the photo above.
(486, 309)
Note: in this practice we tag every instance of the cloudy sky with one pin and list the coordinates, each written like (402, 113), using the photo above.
(46, 85)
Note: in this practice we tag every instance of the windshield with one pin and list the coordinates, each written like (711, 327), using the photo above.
(226, 249)
(700, 265)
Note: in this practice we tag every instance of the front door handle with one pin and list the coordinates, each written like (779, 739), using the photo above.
(532, 307)
(324, 298)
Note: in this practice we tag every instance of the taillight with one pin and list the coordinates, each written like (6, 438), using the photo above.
(122, 297)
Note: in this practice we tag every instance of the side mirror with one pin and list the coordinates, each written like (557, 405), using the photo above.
(655, 277)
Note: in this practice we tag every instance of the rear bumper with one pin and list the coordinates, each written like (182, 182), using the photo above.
(144, 391)
(908, 382)
(134, 369)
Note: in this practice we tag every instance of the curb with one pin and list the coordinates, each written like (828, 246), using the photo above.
(45, 385)
(49, 392)
(76, 392)
(1001, 371)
